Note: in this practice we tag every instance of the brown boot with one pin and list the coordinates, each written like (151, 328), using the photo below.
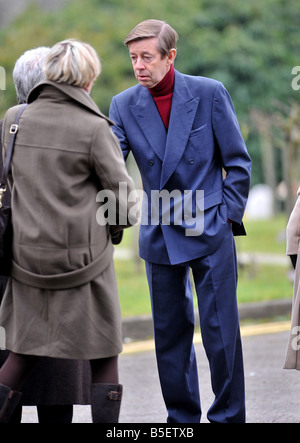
(9, 400)
(106, 402)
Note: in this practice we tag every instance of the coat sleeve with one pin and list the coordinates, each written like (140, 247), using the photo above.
(293, 229)
(118, 128)
(117, 186)
(234, 156)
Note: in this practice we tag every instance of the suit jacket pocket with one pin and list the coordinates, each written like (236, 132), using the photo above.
(209, 200)
(198, 131)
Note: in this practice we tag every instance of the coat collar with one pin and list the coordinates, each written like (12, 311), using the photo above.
(75, 93)
(170, 146)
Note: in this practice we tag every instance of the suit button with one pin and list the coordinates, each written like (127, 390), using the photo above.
(150, 162)
(191, 161)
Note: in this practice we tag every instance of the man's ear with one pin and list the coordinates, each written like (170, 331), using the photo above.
(172, 55)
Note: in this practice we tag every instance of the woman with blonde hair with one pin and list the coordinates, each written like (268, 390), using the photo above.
(62, 300)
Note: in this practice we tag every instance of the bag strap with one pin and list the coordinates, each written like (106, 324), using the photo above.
(13, 131)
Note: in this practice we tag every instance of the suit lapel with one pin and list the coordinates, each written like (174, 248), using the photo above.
(148, 118)
(184, 108)
(169, 147)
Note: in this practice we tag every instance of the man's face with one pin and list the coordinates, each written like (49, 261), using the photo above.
(148, 65)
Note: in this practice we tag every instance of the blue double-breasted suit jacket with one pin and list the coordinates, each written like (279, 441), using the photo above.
(202, 150)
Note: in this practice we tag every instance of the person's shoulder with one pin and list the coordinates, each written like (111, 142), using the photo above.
(201, 81)
(206, 87)
(10, 115)
(13, 110)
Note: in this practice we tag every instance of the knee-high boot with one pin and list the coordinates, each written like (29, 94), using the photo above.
(106, 402)
(9, 400)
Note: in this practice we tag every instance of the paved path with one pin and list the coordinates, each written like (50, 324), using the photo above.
(273, 394)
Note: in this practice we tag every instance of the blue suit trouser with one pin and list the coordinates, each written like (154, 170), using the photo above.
(215, 279)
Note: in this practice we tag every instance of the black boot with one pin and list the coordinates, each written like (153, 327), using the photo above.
(9, 400)
(106, 402)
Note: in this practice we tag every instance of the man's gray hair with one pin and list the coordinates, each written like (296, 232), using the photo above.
(28, 71)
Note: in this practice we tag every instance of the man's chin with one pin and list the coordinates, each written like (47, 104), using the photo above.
(145, 82)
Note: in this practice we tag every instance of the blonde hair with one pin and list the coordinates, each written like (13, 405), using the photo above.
(72, 62)
(166, 35)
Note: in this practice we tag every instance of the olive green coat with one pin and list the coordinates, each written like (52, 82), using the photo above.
(62, 299)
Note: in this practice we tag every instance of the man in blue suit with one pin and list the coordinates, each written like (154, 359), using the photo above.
(185, 137)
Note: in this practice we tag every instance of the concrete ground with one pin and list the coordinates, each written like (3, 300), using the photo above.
(272, 394)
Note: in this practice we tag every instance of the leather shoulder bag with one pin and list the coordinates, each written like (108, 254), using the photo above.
(6, 230)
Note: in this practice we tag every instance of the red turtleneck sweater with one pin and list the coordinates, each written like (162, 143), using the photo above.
(162, 94)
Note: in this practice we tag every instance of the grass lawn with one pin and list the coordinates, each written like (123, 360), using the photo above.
(133, 288)
(269, 283)
(256, 282)
(266, 236)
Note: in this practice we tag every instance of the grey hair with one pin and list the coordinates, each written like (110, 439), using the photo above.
(28, 71)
